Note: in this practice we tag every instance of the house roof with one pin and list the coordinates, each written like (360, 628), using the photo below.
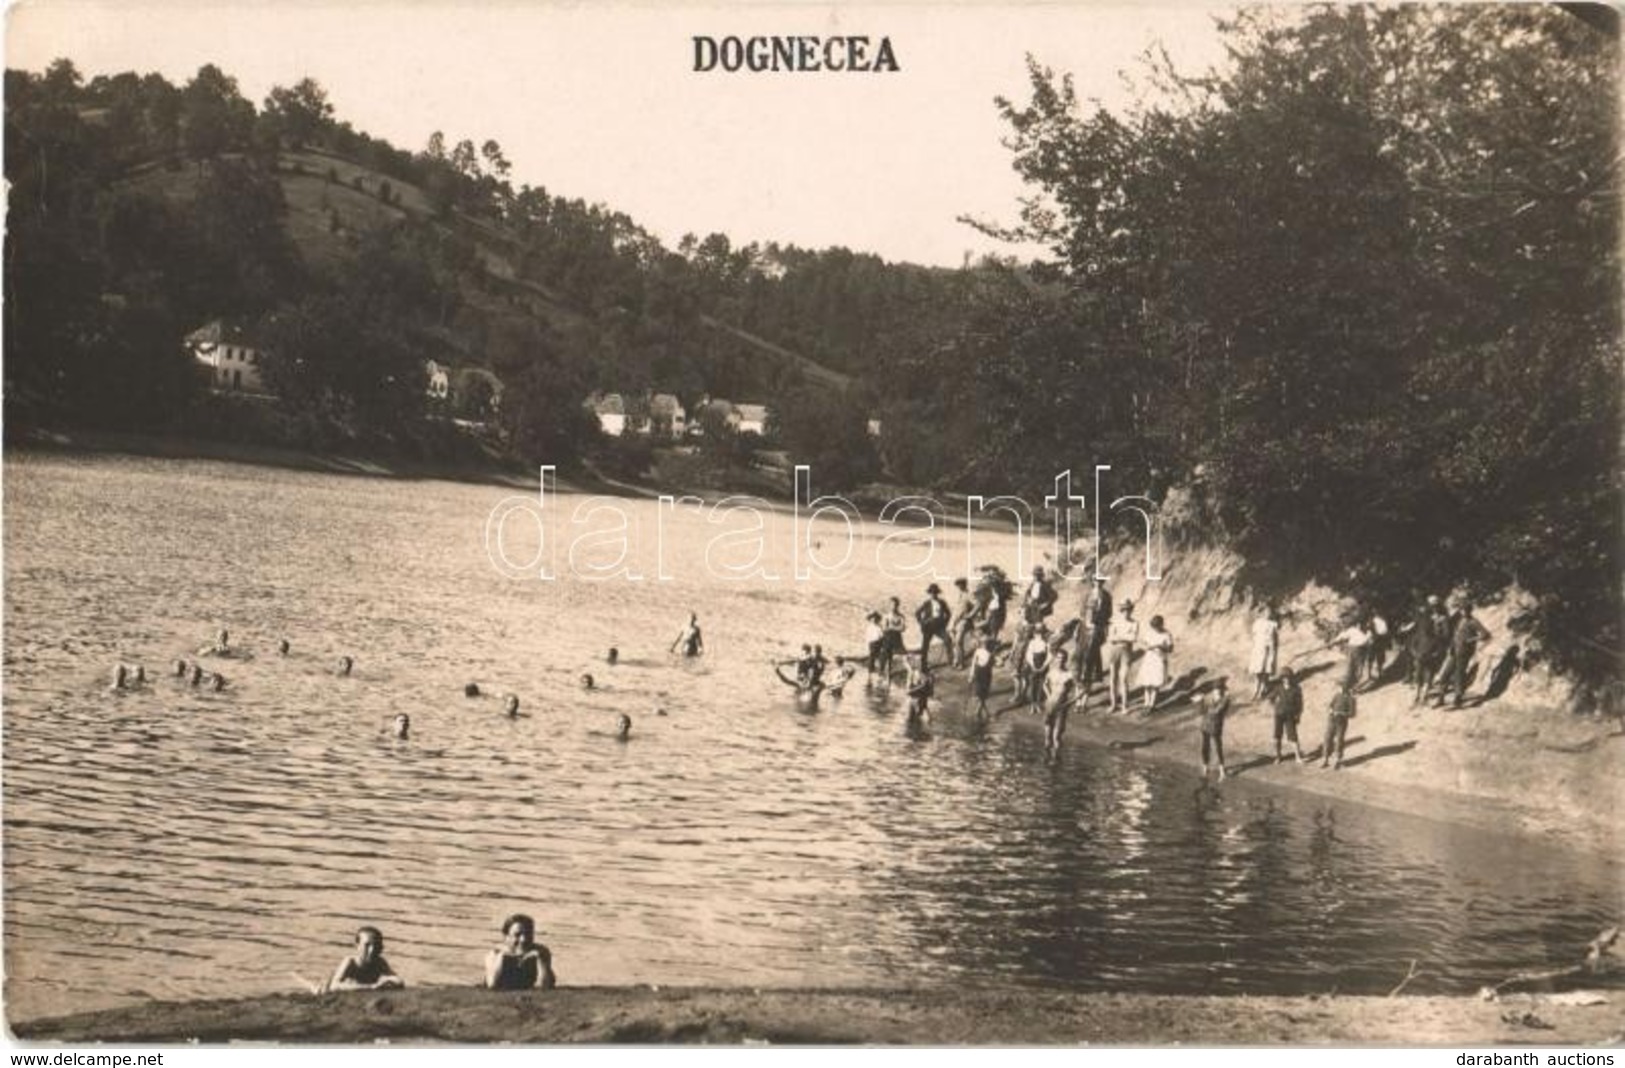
(665, 404)
(751, 413)
(607, 404)
(221, 331)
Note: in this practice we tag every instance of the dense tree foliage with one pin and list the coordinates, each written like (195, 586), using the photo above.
(1365, 285)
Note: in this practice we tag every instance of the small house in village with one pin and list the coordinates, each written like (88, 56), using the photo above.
(752, 418)
(439, 380)
(229, 355)
(610, 410)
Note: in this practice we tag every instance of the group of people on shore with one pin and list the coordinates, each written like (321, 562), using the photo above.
(1057, 669)
(1443, 650)
(518, 963)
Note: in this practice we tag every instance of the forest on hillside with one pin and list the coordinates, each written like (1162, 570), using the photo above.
(1358, 292)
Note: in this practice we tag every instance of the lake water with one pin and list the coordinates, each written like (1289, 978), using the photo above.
(174, 843)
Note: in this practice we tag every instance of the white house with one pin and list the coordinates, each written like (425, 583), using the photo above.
(228, 355)
(611, 412)
(752, 418)
(439, 380)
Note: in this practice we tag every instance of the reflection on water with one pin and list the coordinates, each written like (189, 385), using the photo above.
(173, 843)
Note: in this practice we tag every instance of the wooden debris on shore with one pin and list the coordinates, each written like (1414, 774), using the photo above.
(1601, 960)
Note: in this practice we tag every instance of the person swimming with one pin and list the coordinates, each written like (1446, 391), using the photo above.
(140, 677)
(586, 680)
(510, 704)
(366, 969)
(471, 690)
(623, 727)
(346, 665)
(197, 675)
(613, 656)
(217, 682)
(282, 647)
(221, 646)
(520, 962)
(121, 678)
(401, 726)
(180, 669)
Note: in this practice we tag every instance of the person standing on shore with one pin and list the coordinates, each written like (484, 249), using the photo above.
(1120, 639)
(520, 962)
(1354, 640)
(1098, 614)
(1288, 706)
(1215, 707)
(1424, 647)
(1463, 644)
(1342, 710)
(1266, 650)
(1159, 646)
(1039, 600)
(933, 616)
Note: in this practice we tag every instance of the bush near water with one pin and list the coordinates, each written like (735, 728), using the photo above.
(1356, 296)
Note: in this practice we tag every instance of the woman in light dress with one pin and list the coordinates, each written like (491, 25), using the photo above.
(1159, 645)
(1266, 648)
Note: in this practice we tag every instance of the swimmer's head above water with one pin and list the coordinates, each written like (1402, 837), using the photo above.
(346, 665)
(282, 647)
(586, 681)
(613, 656)
(623, 726)
(510, 704)
(402, 725)
(472, 689)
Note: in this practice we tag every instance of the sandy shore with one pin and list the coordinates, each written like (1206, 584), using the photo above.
(813, 1017)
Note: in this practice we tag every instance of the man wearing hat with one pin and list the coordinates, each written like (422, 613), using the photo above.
(1098, 614)
(932, 616)
(1040, 599)
(1120, 638)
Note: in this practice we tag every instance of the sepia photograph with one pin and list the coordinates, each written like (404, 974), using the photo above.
(907, 524)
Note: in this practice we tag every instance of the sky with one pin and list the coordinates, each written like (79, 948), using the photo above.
(602, 102)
